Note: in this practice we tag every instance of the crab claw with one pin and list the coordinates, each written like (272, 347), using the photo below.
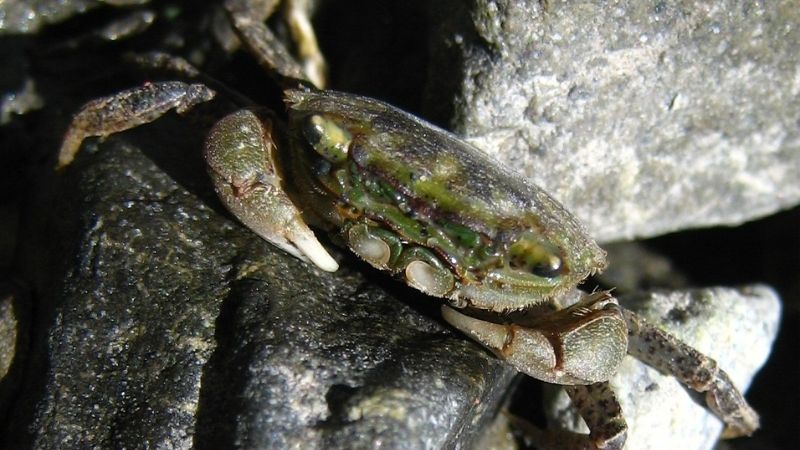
(582, 344)
(240, 157)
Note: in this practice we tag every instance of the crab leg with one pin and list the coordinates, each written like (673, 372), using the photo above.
(600, 409)
(669, 355)
(602, 413)
(579, 346)
(269, 50)
(129, 109)
(307, 47)
(180, 67)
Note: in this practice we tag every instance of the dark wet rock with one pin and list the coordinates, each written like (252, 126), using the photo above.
(9, 324)
(29, 16)
(173, 325)
(20, 102)
(15, 317)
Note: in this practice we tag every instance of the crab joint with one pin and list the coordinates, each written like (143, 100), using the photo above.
(577, 345)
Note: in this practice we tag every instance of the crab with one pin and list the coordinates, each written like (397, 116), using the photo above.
(417, 202)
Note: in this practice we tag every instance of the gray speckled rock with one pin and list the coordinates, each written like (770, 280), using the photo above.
(28, 16)
(642, 118)
(8, 331)
(736, 327)
(174, 326)
(14, 328)
(133, 307)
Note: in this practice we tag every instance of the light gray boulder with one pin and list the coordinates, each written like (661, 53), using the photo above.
(642, 118)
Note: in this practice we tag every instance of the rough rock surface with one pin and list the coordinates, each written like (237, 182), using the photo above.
(736, 327)
(642, 118)
(8, 331)
(14, 322)
(176, 327)
(159, 321)
(29, 16)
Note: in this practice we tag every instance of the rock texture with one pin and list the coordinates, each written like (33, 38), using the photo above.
(175, 327)
(156, 320)
(14, 322)
(642, 118)
(30, 16)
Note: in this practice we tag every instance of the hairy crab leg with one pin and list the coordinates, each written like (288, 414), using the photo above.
(602, 413)
(264, 45)
(161, 61)
(669, 355)
(308, 50)
(129, 109)
(599, 408)
(183, 69)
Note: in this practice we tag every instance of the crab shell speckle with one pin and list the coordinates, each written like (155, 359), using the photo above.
(388, 170)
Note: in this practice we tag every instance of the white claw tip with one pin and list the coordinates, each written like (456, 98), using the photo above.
(316, 253)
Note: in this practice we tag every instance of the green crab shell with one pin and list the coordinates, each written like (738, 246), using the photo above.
(444, 177)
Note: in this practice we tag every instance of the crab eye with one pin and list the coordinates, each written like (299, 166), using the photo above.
(549, 268)
(326, 137)
(530, 255)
